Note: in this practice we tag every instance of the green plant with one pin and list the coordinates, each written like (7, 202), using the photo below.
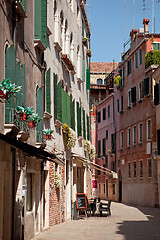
(7, 86)
(20, 110)
(117, 79)
(48, 131)
(57, 180)
(152, 57)
(65, 127)
(29, 110)
(35, 118)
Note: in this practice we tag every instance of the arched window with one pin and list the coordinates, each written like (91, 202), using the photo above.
(99, 81)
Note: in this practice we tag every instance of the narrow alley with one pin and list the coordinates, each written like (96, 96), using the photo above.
(125, 223)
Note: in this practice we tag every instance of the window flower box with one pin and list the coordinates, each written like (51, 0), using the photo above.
(8, 89)
(89, 53)
(48, 133)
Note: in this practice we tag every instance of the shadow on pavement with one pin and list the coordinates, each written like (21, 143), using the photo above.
(142, 230)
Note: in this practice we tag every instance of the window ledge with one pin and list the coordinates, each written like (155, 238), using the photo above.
(22, 136)
(47, 115)
(79, 80)
(58, 123)
(39, 44)
(57, 46)
(49, 33)
(11, 130)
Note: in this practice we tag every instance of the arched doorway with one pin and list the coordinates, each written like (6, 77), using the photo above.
(120, 186)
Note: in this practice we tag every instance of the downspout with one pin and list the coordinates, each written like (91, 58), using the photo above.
(71, 186)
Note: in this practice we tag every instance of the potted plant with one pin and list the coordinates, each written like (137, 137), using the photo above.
(65, 128)
(29, 111)
(21, 111)
(33, 120)
(85, 41)
(117, 79)
(8, 89)
(89, 53)
(48, 133)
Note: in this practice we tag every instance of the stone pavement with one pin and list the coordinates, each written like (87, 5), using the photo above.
(125, 223)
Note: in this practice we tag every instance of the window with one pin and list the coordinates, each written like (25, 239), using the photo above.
(140, 56)
(129, 136)
(134, 135)
(156, 94)
(149, 130)
(140, 133)
(129, 98)
(134, 169)
(149, 168)
(146, 86)
(99, 81)
(99, 116)
(98, 172)
(129, 67)
(106, 159)
(135, 60)
(121, 103)
(129, 170)
(106, 134)
(140, 91)
(113, 188)
(141, 168)
(121, 139)
(117, 105)
(133, 95)
(104, 146)
(156, 46)
(99, 148)
(113, 143)
(104, 113)
(109, 111)
(29, 192)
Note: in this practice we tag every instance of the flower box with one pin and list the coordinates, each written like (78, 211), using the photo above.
(23, 116)
(3, 95)
(48, 136)
(31, 124)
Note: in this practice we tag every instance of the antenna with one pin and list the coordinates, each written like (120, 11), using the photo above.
(153, 27)
(144, 8)
(133, 12)
(124, 24)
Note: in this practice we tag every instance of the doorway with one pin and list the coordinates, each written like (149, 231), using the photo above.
(106, 188)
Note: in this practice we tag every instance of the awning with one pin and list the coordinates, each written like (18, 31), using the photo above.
(95, 166)
(31, 150)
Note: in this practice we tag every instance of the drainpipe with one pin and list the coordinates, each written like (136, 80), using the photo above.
(71, 185)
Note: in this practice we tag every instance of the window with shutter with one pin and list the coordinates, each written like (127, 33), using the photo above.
(48, 94)
(156, 94)
(59, 101)
(40, 22)
(104, 113)
(99, 148)
(99, 116)
(146, 86)
(88, 79)
(104, 146)
(39, 110)
(121, 103)
(68, 110)
(73, 114)
(113, 143)
(84, 124)
(20, 80)
(83, 70)
(140, 56)
(135, 60)
(55, 97)
(79, 123)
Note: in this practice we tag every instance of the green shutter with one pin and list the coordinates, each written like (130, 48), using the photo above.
(68, 110)
(55, 97)
(40, 21)
(140, 56)
(82, 28)
(59, 101)
(39, 110)
(88, 128)
(10, 72)
(73, 114)
(83, 70)
(23, 2)
(65, 108)
(88, 79)
(20, 80)
(79, 123)
(104, 146)
(77, 118)
(48, 94)
(84, 125)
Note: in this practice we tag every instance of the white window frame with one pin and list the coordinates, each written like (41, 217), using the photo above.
(121, 139)
(129, 98)
(134, 135)
(141, 160)
(139, 140)
(148, 139)
(129, 137)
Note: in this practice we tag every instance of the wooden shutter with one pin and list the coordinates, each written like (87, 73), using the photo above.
(84, 124)
(40, 21)
(55, 96)
(59, 102)
(20, 80)
(88, 79)
(23, 4)
(64, 106)
(68, 110)
(48, 94)
(113, 141)
(146, 86)
(83, 70)
(156, 94)
(39, 110)
(140, 56)
(10, 72)
(104, 146)
(99, 148)
(142, 91)
(79, 122)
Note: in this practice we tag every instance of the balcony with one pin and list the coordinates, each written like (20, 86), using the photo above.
(14, 126)
(40, 139)
(152, 58)
(68, 63)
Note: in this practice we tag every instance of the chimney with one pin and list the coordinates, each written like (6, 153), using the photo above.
(133, 33)
(146, 25)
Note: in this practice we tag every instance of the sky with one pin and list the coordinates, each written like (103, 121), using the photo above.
(107, 25)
